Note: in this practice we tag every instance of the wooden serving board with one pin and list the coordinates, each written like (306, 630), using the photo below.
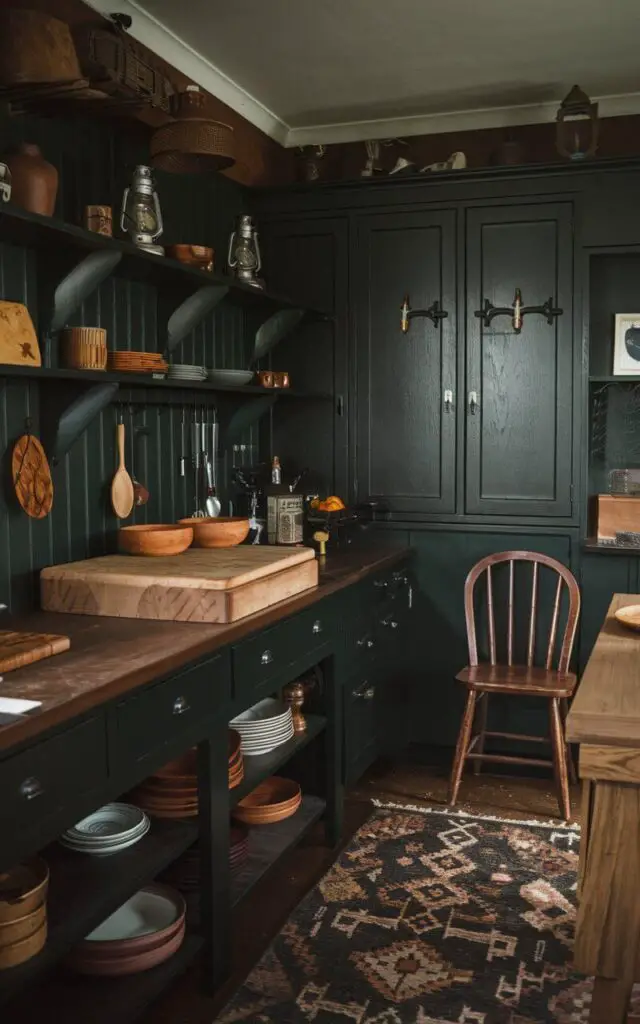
(18, 649)
(200, 585)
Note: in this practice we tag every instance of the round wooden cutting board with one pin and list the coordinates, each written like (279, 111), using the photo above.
(32, 477)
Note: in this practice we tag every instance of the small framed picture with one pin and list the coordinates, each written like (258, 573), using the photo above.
(626, 349)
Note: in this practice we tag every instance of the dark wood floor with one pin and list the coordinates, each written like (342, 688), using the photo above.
(419, 779)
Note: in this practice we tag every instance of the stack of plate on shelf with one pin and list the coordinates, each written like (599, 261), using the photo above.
(137, 362)
(144, 932)
(184, 873)
(235, 378)
(108, 830)
(173, 791)
(264, 727)
(273, 800)
(185, 371)
(23, 911)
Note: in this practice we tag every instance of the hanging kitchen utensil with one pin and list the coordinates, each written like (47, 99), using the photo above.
(140, 492)
(182, 461)
(32, 477)
(196, 461)
(122, 494)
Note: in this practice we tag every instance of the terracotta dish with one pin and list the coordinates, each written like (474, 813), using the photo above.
(273, 800)
(629, 616)
(23, 889)
(151, 916)
(154, 540)
(133, 963)
(20, 952)
(200, 256)
(219, 532)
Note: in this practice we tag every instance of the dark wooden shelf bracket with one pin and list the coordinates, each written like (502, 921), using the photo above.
(273, 330)
(77, 285)
(191, 312)
(67, 412)
(242, 417)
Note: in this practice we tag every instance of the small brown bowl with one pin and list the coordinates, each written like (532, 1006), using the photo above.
(200, 256)
(218, 532)
(154, 540)
(22, 927)
(23, 888)
(132, 963)
(20, 952)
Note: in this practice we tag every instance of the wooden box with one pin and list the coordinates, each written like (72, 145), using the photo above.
(616, 513)
(220, 585)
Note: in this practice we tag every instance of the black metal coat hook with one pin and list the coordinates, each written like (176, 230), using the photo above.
(517, 311)
(434, 313)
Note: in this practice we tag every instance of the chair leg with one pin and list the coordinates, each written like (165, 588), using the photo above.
(462, 746)
(483, 705)
(573, 775)
(558, 745)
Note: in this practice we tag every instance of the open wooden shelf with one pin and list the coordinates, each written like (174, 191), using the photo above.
(257, 769)
(84, 890)
(267, 843)
(77, 998)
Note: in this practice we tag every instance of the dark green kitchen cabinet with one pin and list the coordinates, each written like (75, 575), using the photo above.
(602, 576)
(519, 385)
(404, 386)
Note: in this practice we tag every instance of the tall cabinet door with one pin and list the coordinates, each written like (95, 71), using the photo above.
(405, 383)
(519, 385)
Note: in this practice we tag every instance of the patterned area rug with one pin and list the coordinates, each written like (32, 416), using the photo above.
(430, 918)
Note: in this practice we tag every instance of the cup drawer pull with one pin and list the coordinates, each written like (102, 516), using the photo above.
(266, 658)
(180, 706)
(31, 788)
(365, 692)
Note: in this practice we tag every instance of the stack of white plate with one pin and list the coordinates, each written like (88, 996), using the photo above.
(264, 727)
(185, 371)
(110, 829)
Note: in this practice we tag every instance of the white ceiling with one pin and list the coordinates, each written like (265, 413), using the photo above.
(342, 70)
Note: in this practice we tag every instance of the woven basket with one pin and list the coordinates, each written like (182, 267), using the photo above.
(84, 348)
(193, 146)
(36, 49)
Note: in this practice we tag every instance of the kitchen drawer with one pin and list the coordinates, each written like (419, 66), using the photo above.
(39, 781)
(160, 712)
(362, 702)
(266, 655)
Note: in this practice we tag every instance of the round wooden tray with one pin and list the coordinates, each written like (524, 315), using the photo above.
(32, 477)
(629, 616)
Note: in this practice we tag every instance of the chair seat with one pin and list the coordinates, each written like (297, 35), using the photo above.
(521, 679)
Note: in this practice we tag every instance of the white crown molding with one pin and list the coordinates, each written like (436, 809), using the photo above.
(162, 41)
(456, 121)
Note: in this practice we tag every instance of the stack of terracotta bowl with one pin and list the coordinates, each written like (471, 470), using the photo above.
(273, 800)
(137, 362)
(23, 911)
(173, 791)
(144, 932)
(184, 873)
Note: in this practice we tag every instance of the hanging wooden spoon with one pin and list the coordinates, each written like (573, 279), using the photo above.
(122, 496)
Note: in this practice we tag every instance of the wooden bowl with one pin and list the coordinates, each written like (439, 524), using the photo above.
(154, 540)
(170, 903)
(133, 963)
(273, 800)
(23, 889)
(629, 616)
(193, 255)
(20, 952)
(22, 927)
(219, 532)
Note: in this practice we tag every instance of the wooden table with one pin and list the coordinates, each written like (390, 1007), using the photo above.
(605, 721)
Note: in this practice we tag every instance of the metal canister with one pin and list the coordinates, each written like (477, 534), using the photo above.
(285, 518)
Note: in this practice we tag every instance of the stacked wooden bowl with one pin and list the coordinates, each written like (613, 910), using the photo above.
(23, 911)
(136, 362)
(172, 792)
(84, 348)
(273, 800)
(144, 932)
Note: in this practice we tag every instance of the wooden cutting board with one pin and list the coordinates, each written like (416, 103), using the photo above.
(200, 585)
(18, 649)
(18, 341)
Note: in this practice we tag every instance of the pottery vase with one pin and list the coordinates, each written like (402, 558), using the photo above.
(34, 181)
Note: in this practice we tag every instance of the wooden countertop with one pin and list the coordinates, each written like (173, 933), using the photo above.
(110, 656)
(606, 708)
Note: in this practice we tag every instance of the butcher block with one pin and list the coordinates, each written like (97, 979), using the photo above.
(200, 585)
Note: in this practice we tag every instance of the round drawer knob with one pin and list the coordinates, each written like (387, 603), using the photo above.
(370, 644)
(266, 658)
(180, 706)
(317, 627)
(31, 788)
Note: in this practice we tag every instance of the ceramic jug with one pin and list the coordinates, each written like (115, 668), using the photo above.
(34, 181)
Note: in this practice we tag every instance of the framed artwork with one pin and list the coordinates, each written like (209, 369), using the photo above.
(626, 348)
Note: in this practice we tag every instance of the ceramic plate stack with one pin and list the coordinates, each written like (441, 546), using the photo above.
(185, 371)
(108, 830)
(236, 763)
(23, 911)
(264, 727)
(137, 362)
(273, 800)
(144, 932)
(173, 791)
(184, 873)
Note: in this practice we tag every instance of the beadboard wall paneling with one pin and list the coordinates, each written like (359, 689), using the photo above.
(95, 160)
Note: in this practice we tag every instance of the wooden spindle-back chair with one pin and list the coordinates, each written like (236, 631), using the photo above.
(528, 680)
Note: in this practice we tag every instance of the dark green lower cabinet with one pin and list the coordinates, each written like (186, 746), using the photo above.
(362, 703)
(602, 576)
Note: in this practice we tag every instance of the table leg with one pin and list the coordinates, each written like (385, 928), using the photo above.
(334, 789)
(213, 822)
(610, 1001)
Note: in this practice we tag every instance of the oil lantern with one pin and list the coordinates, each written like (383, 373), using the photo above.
(244, 252)
(577, 126)
(141, 217)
